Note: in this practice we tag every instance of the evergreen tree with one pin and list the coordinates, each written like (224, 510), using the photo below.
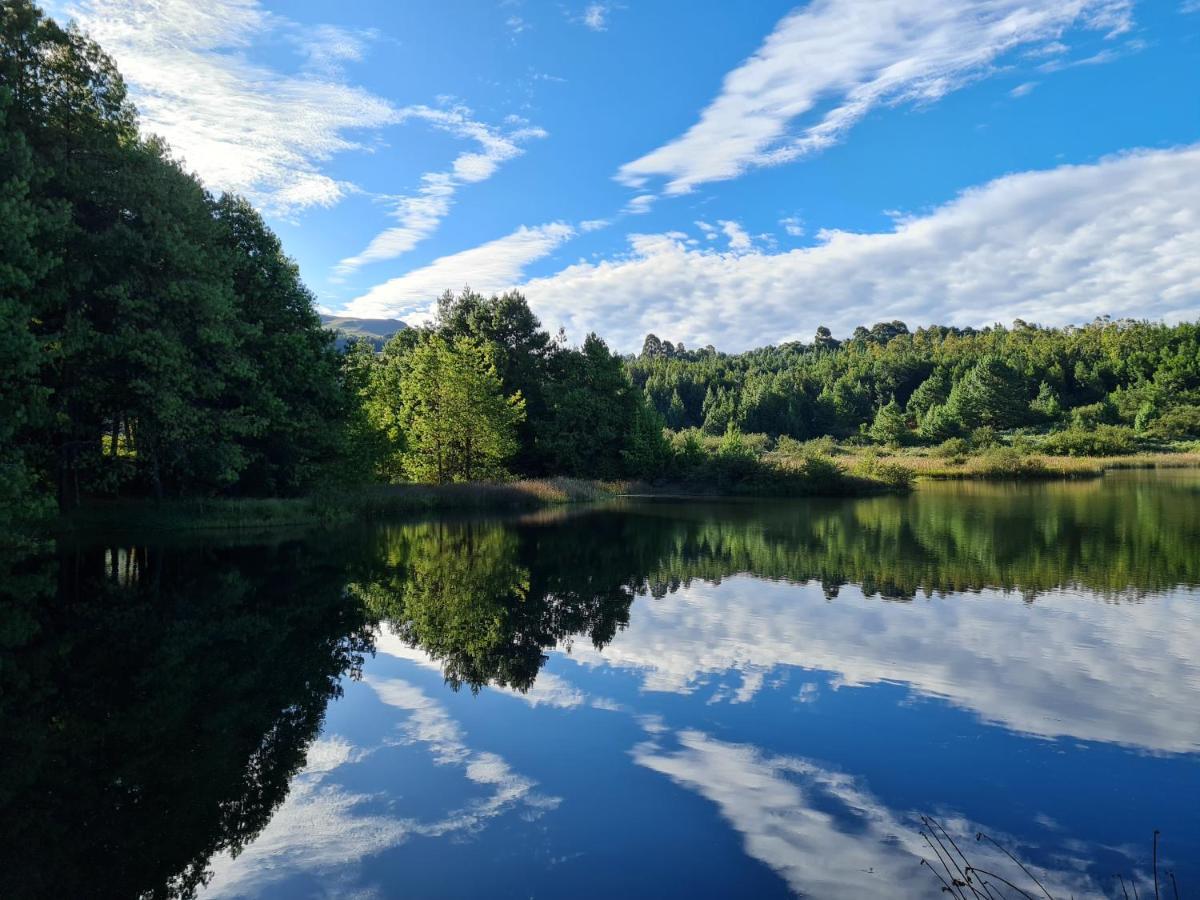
(459, 425)
(890, 427)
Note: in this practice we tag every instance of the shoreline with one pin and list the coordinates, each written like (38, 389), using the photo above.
(333, 507)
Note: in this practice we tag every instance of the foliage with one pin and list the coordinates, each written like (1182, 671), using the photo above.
(1102, 440)
(948, 381)
(954, 448)
(459, 426)
(890, 427)
(156, 340)
(1176, 424)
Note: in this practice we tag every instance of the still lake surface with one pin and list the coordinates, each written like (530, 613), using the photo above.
(650, 698)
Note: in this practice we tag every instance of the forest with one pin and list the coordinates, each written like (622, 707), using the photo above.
(158, 342)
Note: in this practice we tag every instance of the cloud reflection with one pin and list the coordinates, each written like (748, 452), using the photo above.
(1067, 666)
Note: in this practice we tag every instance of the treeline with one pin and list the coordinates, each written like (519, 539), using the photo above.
(155, 338)
(484, 390)
(1115, 381)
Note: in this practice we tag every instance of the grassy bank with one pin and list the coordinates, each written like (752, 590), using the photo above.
(1008, 463)
(812, 476)
(846, 472)
(331, 507)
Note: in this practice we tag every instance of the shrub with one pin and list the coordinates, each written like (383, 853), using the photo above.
(954, 448)
(1094, 414)
(985, 437)
(1103, 440)
(893, 474)
(1005, 462)
(688, 447)
(1176, 424)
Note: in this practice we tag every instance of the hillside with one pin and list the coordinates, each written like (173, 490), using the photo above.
(377, 331)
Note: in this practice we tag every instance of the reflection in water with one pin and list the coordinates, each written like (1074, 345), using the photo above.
(161, 705)
(154, 705)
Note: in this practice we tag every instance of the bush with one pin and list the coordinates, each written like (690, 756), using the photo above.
(1177, 424)
(1005, 462)
(788, 446)
(1094, 414)
(893, 474)
(1103, 440)
(985, 437)
(954, 448)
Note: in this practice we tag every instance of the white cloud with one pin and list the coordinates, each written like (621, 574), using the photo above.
(595, 16)
(329, 47)
(1022, 89)
(1059, 246)
(853, 57)
(820, 830)
(793, 225)
(240, 125)
(593, 225)
(1073, 666)
(487, 268)
(420, 214)
(738, 239)
(640, 204)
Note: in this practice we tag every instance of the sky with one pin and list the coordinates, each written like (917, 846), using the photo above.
(734, 174)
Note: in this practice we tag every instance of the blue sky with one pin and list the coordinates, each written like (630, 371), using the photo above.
(725, 173)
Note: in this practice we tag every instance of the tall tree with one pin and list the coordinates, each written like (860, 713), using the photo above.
(459, 425)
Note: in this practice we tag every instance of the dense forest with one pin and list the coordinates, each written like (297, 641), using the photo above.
(157, 341)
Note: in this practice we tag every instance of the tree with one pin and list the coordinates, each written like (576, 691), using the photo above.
(652, 347)
(647, 453)
(1046, 404)
(592, 410)
(890, 427)
(28, 225)
(459, 424)
(291, 383)
(824, 339)
(991, 393)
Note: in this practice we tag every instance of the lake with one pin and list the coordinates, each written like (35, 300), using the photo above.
(650, 698)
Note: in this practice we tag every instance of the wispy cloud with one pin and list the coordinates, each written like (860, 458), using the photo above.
(793, 225)
(1121, 236)
(421, 213)
(640, 205)
(489, 267)
(241, 125)
(837, 54)
(595, 16)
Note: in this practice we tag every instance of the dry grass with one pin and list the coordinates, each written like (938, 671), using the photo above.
(524, 494)
(1037, 465)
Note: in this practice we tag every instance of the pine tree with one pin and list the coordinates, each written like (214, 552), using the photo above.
(459, 424)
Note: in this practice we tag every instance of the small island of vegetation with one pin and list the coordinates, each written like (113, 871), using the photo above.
(158, 343)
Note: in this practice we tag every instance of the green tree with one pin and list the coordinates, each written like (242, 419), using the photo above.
(592, 412)
(890, 427)
(459, 425)
(991, 393)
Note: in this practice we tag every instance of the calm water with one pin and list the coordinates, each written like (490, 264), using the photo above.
(650, 699)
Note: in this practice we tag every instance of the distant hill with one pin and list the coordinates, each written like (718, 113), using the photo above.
(377, 331)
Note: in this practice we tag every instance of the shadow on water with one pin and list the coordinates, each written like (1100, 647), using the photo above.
(154, 704)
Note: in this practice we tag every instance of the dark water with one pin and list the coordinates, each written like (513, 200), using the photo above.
(650, 699)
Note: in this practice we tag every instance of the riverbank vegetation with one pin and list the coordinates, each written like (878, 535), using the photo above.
(158, 343)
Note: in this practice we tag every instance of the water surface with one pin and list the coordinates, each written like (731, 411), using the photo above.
(652, 698)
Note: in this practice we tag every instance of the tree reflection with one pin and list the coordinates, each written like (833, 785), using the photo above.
(487, 599)
(154, 705)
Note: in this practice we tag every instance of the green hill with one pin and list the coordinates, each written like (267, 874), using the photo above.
(377, 331)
